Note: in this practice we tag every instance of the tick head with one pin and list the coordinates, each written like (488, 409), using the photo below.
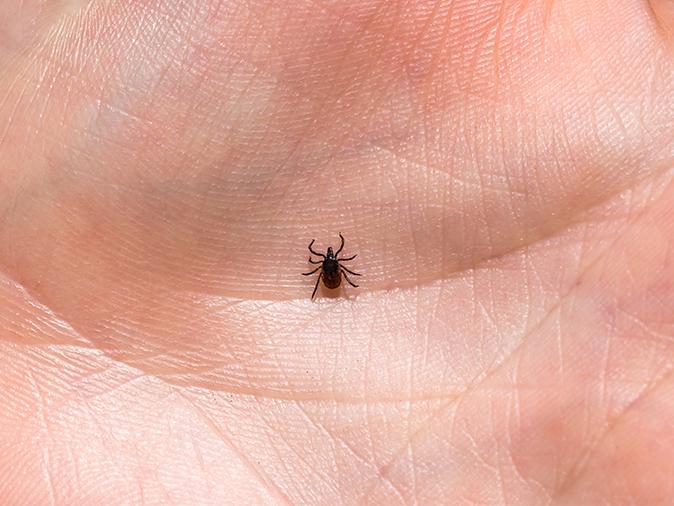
(330, 253)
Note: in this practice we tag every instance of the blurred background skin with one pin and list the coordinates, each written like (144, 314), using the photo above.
(502, 168)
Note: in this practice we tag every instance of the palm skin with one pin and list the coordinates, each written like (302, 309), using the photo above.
(502, 169)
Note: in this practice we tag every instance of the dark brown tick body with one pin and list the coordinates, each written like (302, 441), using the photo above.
(330, 267)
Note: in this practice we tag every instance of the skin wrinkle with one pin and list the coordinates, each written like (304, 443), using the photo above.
(578, 468)
(165, 497)
(375, 458)
(429, 168)
(518, 247)
(408, 406)
(499, 471)
(45, 461)
(610, 336)
(584, 459)
(34, 302)
(662, 14)
(662, 336)
(515, 402)
(473, 386)
(373, 108)
(316, 472)
(616, 192)
(325, 480)
(69, 328)
(654, 15)
(267, 329)
(474, 65)
(303, 138)
(58, 406)
(20, 77)
(335, 439)
(145, 13)
(333, 99)
(428, 23)
(266, 480)
(290, 475)
(576, 471)
(434, 64)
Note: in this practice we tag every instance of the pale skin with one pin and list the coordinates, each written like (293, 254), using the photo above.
(502, 169)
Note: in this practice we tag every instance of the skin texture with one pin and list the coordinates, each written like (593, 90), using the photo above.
(502, 168)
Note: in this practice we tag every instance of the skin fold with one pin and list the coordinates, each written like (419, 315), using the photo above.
(502, 168)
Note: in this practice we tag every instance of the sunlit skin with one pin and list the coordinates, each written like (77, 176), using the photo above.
(502, 168)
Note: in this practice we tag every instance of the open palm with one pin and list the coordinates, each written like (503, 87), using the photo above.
(503, 169)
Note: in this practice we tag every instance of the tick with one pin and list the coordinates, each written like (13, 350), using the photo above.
(331, 268)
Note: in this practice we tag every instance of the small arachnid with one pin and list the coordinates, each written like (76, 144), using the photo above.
(331, 268)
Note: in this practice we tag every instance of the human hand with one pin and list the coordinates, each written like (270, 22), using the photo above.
(502, 169)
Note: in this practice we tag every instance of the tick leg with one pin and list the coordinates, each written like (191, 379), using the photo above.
(348, 258)
(349, 271)
(341, 245)
(315, 252)
(347, 279)
(316, 286)
(310, 273)
(311, 261)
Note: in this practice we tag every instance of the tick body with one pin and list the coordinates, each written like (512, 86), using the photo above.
(331, 268)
